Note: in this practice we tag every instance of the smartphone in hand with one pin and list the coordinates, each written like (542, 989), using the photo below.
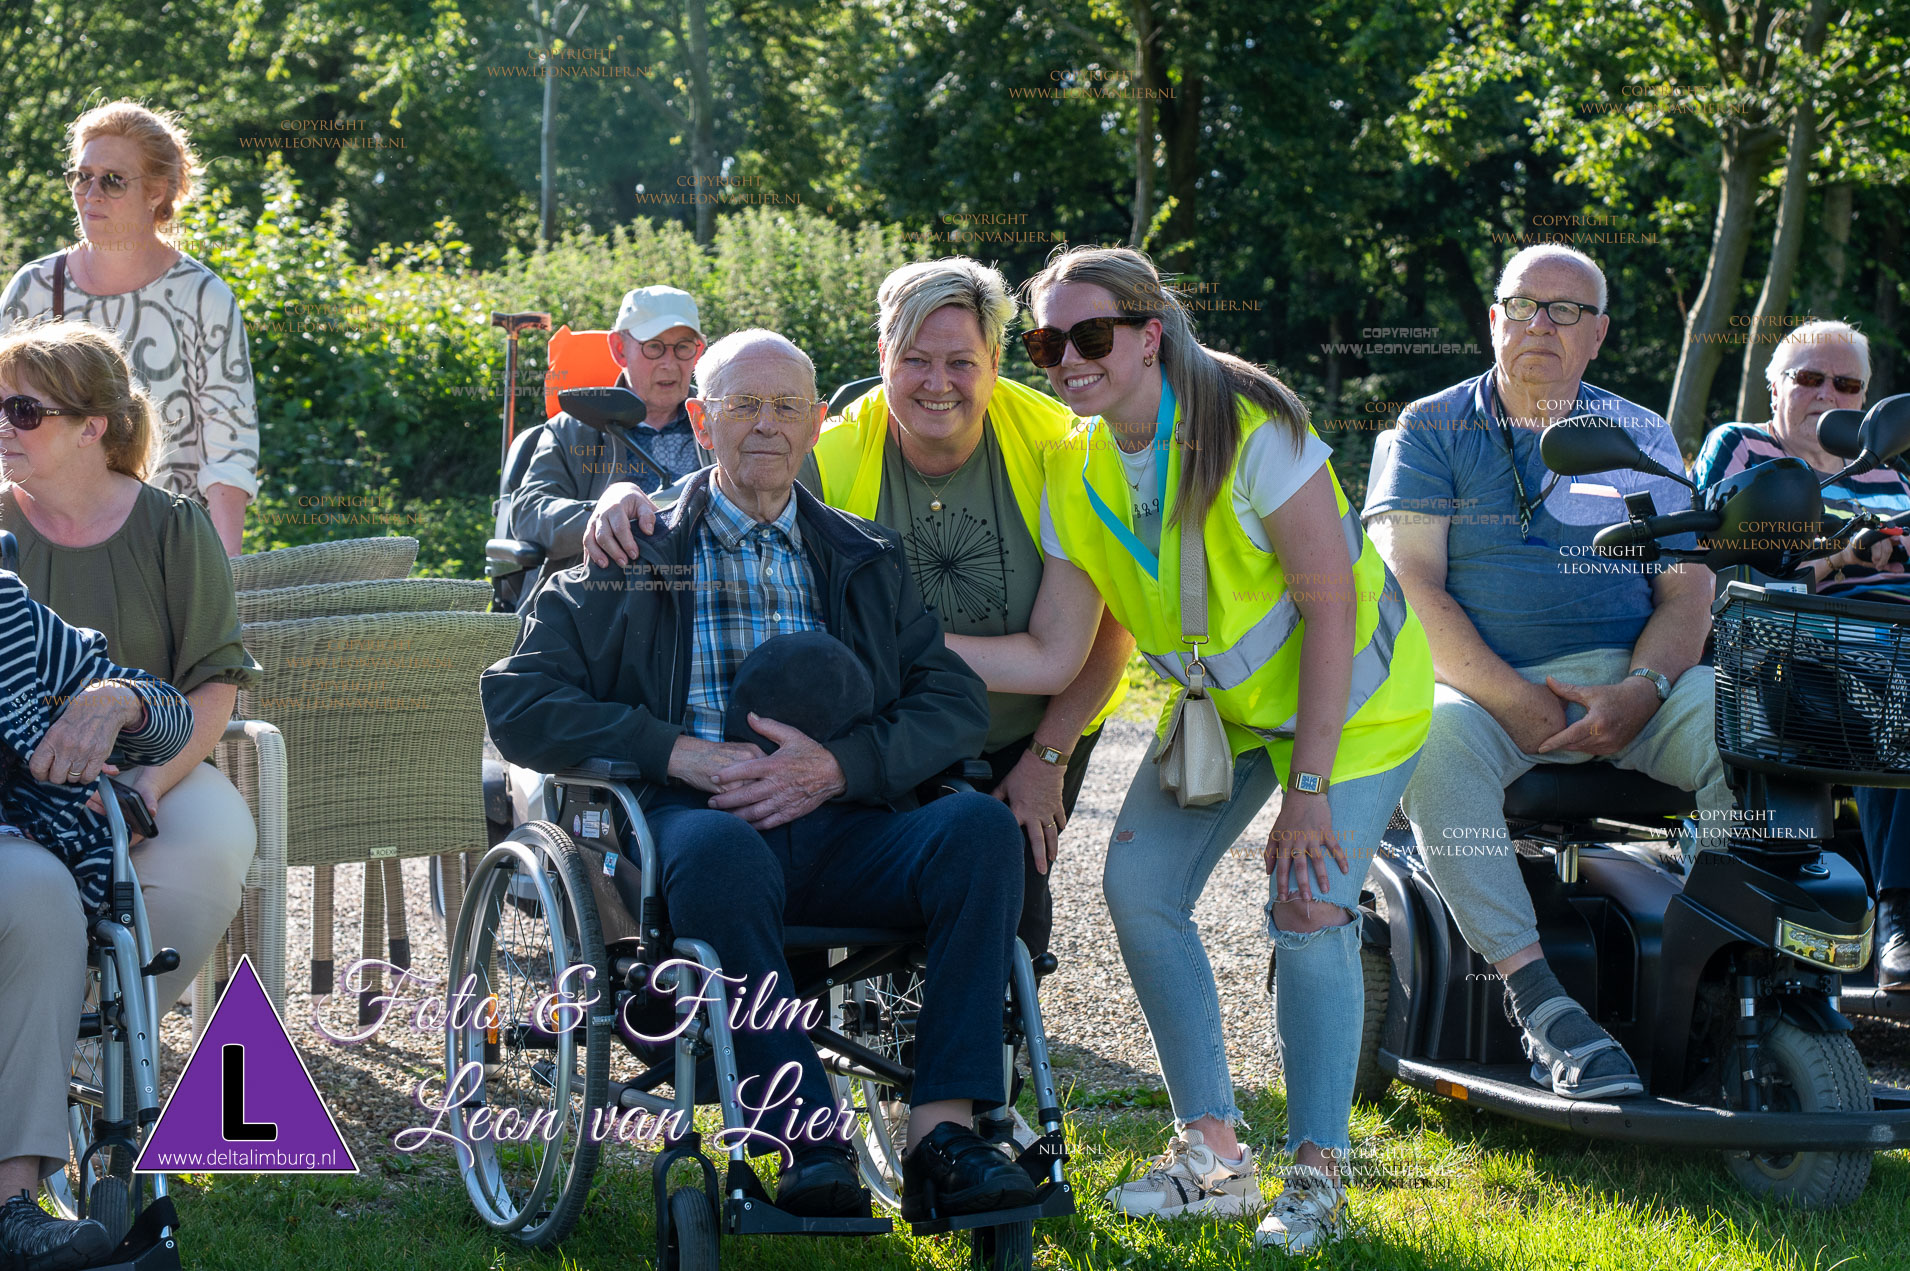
(132, 808)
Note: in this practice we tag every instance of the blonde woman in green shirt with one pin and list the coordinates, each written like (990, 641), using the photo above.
(103, 549)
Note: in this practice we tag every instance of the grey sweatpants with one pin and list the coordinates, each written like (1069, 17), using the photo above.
(1456, 798)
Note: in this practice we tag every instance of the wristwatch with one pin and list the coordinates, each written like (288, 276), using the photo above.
(1048, 754)
(1308, 783)
(1658, 681)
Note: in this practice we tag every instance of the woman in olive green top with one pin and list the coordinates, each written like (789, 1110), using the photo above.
(103, 549)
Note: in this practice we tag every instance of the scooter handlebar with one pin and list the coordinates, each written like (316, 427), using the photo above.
(1630, 540)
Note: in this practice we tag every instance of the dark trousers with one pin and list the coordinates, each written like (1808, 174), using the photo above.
(1884, 816)
(1036, 927)
(948, 867)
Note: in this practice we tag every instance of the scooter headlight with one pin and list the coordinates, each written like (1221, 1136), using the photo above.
(1833, 953)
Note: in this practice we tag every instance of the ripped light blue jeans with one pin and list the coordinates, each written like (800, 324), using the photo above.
(1158, 864)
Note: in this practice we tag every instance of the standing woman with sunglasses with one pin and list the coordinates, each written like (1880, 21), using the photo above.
(1322, 678)
(129, 171)
(105, 550)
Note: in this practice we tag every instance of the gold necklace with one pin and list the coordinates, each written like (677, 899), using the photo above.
(935, 495)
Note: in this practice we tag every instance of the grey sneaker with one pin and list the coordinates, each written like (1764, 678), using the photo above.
(1309, 1213)
(1190, 1180)
(33, 1240)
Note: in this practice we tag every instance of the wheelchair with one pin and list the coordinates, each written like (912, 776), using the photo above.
(547, 954)
(113, 1098)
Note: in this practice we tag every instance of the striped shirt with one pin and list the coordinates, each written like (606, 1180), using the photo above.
(1732, 448)
(753, 581)
(44, 663)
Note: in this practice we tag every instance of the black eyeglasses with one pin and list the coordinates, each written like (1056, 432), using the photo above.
(111, 184)
(24, 414)
(1815, 379)
(684, 349)
(1564, 313)
(1092, 338)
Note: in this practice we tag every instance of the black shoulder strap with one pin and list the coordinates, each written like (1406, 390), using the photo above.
(59, 287)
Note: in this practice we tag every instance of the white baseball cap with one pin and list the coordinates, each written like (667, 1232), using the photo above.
(648, 312)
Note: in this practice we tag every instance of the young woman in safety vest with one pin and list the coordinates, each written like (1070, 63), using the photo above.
(1322, 677)
(952, 458)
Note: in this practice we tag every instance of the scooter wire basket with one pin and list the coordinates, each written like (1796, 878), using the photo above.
(1812, 686)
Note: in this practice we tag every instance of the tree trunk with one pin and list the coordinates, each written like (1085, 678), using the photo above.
(1180, 131)
(1774, 301)
(1828, 282)
(702, 127)
(1744, 158)
(1465, 292)
(1142, 14)
(1883, 360)
(547, 163)
(1335, 335)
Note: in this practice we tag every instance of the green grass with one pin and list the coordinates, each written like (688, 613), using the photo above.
(1466, 1191)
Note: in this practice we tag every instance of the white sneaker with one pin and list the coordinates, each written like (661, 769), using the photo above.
(1190, 1179)
(1310, 1212)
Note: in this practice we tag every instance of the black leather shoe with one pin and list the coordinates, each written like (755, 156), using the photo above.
(956, 1171)
(823, 1183)
(34, 1240)
(1893, 941)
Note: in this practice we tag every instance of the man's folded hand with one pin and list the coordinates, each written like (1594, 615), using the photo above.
(772, 790)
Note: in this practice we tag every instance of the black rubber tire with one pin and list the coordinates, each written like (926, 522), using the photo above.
(1369, 1079)
(1010, 1247)
(1821, 1072)
(561, 1206)
(693, 1237)
(111, 1206)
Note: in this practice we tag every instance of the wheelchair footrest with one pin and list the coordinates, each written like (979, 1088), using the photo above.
(145, 1248)
(752, 1216)
(1054, 1200)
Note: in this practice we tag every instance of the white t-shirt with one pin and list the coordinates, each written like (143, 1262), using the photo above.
(1268, 473)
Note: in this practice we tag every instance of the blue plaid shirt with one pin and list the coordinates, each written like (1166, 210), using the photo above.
(752, 582)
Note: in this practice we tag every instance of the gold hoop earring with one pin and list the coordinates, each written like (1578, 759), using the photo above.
(1148, 360)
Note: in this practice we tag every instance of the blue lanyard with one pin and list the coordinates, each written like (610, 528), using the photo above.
(1484, 399)
(1163, 433)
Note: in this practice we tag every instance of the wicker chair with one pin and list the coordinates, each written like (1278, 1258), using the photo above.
(381, 595)
(384, 727)
(344, 560)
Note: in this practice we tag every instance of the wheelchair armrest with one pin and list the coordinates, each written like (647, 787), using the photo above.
(602, 770)
(514, 552)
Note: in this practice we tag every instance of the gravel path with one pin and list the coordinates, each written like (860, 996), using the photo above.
(1095, 1028)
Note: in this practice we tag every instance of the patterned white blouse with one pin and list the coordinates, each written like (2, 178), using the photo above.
(186, 342)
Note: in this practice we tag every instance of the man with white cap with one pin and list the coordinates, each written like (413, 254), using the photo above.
(657, 340)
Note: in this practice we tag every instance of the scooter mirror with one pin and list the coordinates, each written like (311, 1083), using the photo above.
(1886, 429)
(1763, 512)
(1585, 444)
(1837, 432)
(603, 407)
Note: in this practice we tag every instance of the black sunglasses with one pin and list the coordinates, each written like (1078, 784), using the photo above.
(23, 413)
(1815, 379)
(1092, 337)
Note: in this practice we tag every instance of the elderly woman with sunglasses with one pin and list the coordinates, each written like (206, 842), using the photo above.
(951, 457)
(1820, 367)
(129, 171)
(105, 550)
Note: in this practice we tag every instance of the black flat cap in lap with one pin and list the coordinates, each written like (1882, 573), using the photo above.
(806, 679)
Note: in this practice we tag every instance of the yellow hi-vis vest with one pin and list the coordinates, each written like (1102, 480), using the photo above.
(1028, 427)
(1254, 628)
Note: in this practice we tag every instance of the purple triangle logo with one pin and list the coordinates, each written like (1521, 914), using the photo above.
(245, 1103)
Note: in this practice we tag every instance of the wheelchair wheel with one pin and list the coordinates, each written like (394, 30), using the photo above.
(527, 1044)
(692, 1244)
(1010, 1247)
(885, 1011)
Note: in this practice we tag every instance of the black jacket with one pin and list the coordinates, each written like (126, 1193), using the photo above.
(602, 667)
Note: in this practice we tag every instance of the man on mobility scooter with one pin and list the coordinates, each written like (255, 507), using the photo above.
(1543, 653)
(642, 662)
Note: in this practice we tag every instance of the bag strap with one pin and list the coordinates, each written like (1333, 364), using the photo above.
(1193, 581)
(59, 287)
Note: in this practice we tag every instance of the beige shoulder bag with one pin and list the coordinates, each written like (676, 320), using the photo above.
(1196, 763)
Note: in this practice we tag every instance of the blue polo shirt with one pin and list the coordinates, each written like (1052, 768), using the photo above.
(1544, 594)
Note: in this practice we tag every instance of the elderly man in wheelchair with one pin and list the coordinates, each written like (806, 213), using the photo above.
(754, 832)
(67, 708)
